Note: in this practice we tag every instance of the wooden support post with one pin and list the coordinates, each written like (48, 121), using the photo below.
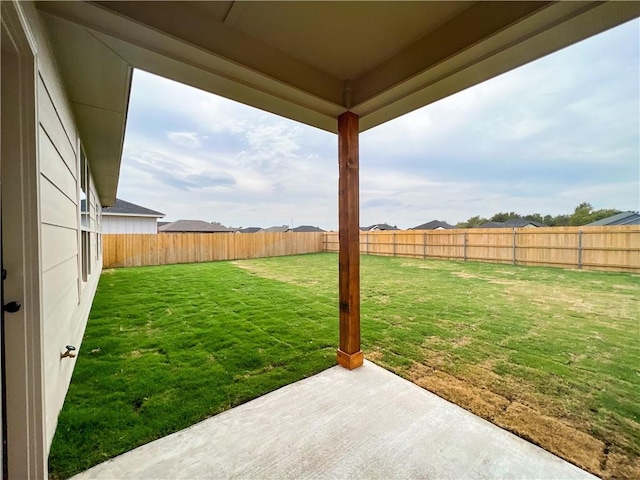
(465, 241)
(349, 354)
(424, 243)
(579, 249)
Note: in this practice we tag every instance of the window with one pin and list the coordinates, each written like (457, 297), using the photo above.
(98, 233)
(85, 217)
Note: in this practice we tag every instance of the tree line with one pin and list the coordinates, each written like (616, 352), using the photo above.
(583, 214)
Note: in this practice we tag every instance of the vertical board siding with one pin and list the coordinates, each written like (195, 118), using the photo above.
(138, 250)
(601, 248)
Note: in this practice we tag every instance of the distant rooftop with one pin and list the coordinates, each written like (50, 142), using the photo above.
(379, 226)
(194, 226)
(307, 229)
(623, 218)
(433, 225)
(249, 229)
(512, 223)
(522, 222)
(122, 207)
(277, 229)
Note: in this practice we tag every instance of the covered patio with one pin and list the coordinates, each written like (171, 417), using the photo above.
(345, 68)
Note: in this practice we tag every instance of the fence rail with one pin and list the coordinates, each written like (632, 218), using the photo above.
(595, 248)
(135, 250)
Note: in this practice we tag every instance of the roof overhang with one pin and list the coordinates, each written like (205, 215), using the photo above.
(109, 214)
(307, 61)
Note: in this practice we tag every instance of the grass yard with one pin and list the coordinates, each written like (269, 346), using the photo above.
(553, 355)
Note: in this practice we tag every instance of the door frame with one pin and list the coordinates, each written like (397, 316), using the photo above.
(25, 406)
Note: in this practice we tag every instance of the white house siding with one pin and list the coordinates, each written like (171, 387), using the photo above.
(129, 224)
(66, 298)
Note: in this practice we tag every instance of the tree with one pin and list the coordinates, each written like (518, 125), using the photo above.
(581, 215)
(536, 217)
(504, 216)
(603, 213)
(584, 213)
(473, 222)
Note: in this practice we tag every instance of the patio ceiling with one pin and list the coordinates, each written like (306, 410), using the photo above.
(307, 61)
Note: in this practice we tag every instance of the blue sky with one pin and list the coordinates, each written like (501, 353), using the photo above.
(540, 139)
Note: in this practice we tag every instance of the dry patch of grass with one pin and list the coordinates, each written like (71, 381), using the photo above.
(557, 437)
(478, 400)
(538, 425)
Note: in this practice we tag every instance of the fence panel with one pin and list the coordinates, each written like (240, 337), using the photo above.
(409, 243)
(617, 248)
(490, 245)
(598, 248)
(135, 250)
(548, 247)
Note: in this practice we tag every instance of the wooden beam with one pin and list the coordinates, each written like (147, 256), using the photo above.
(349, 354)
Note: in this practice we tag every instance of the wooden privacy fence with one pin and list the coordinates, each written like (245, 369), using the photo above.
(136, 250)
(595, 248)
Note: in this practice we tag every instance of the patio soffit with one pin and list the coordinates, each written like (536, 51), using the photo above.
(307, 61)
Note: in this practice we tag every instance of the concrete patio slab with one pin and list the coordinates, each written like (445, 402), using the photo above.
(367, 423)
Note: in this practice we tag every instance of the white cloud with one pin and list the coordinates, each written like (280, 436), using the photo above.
(184, 139)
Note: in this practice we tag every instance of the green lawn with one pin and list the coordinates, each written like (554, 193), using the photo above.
(550, 354)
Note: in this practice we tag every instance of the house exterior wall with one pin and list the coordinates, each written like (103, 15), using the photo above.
(70, 259)
(129, 224)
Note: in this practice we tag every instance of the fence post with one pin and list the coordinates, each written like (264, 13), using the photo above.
(464, 241)
(514, 247)
(579, 249)
(424, 243)
(366, 243)
(393, 237)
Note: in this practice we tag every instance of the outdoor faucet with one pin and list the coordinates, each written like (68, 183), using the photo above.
(70, 348)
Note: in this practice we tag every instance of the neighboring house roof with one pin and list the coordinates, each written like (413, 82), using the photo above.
(512, 223)
(250, 229)
(433, 225)
(218, 227)
(122, 207)
(307, 229)
(280, 229)
(491, 225)
(378, 226)
(623, 218)
(522, 222)
(162, 224)
(193, 226)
